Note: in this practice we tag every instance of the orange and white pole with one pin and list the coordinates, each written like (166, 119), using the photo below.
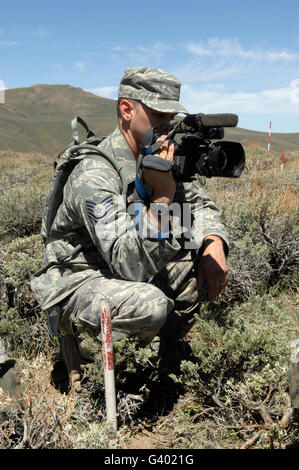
(109, 377)
(281, 163)
(269, 137)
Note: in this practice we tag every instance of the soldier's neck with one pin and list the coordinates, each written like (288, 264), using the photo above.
(130, 141)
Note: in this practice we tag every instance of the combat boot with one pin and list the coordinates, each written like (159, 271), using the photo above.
(73, 361)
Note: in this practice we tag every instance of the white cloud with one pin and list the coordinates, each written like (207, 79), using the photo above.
(295, 91)
(231, 48)
(272, 101)
(105, 91)
(9, 43)
(223, 76)
(81, 66)
(41, 32)
(218, 75)
(6, 42)
(203, 71)
(140, 54)
(118, 48)
(222, 73)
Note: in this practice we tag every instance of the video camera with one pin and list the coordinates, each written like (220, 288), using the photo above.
(196, 153)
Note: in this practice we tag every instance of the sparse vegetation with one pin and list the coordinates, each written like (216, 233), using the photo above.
(226, 385)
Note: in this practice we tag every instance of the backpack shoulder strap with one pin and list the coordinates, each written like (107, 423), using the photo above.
(74, 125)
(63, 167)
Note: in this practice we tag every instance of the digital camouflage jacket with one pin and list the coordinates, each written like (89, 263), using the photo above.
(97, 231)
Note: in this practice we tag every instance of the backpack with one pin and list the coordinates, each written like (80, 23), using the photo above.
(63, 167)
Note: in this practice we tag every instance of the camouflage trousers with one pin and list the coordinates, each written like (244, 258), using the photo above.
(138, 308)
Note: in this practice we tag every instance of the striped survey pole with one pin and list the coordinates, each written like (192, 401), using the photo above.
(269, 137)
(108, 362)
(281, 162)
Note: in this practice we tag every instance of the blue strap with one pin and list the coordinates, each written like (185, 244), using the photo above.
(148, 151)
(141, 191)
(161, 236)
(138, 211)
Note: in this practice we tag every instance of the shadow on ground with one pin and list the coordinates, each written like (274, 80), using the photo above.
(159, 392)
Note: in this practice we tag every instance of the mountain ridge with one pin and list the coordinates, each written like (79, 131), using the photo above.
(38, 119)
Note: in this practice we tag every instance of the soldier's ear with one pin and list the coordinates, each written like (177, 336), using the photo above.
(126, 109)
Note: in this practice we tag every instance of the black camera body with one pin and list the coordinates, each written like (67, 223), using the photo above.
(197, 152)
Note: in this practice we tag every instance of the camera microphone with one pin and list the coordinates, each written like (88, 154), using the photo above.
(217, 120)
(200, 121)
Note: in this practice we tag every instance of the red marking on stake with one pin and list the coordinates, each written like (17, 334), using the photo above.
(109, 361)
(282, 157)
(107, 340)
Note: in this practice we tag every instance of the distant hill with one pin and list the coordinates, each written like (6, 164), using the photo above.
(280, 142)
(37, 119)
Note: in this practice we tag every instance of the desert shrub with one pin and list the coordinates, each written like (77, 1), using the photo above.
(47, 418)
(236, 373)
(18, 170)
(21, 320)
(134, 366)
(260, 213)
(20, 211)
(12, 327)
(188, 428)
(19, 162)
(241, 359)
(237, 376)
(20, 259)
(131, 357)
(25, 336)
(8, 180)
(268, 227)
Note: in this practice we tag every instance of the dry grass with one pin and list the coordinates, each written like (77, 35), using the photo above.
(40, 420)
(258, 209)
(44, 418)
(22, 161)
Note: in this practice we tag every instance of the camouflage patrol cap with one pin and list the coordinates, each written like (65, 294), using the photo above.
(156, 88)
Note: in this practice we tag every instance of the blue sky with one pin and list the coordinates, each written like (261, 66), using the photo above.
(231, 56)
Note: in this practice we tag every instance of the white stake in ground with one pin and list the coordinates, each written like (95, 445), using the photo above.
(109, 378)
(269, 137)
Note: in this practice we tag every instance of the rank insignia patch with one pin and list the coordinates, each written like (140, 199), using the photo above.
(98, 211)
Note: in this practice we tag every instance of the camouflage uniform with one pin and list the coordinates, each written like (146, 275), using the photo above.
(96, 251)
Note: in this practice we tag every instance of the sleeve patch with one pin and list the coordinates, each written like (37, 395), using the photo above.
(99, 210)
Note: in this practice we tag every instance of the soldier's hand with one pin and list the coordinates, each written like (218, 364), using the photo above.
(213, 267)
(163, 183)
